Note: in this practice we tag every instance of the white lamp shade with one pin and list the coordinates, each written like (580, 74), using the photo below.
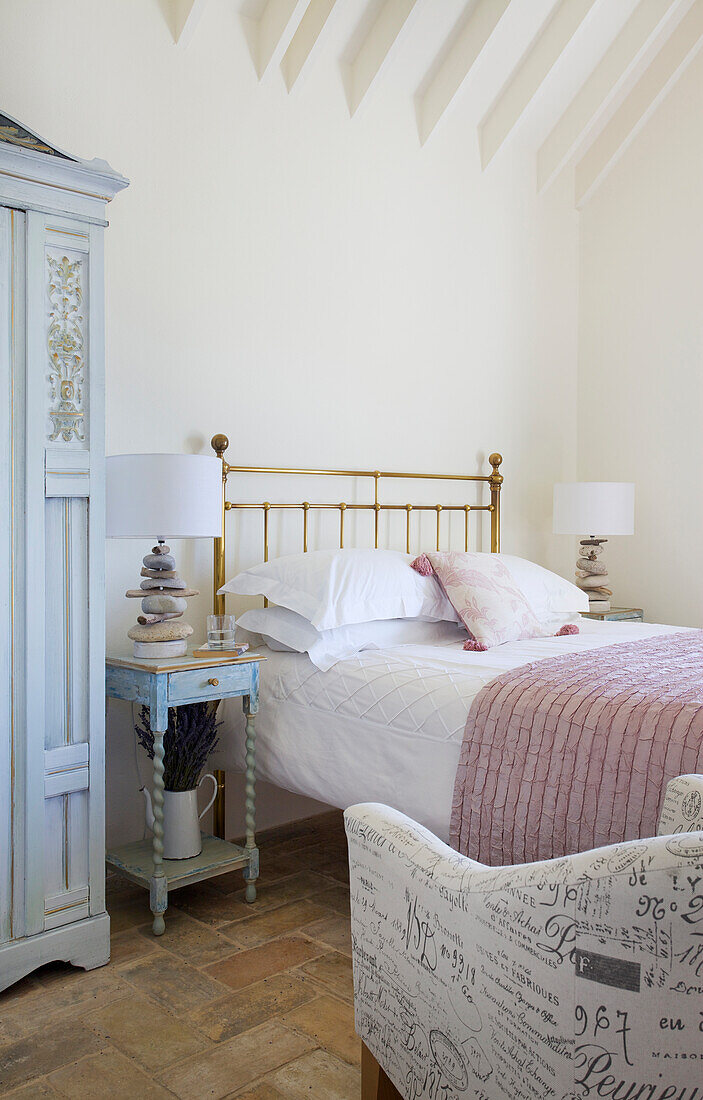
(594, 508)
(164, 496)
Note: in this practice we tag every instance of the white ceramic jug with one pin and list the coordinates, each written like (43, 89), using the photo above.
(182, 836)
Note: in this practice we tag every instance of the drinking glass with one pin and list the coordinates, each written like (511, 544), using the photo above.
(220, 631)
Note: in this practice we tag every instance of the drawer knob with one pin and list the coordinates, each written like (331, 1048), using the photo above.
(213, 682)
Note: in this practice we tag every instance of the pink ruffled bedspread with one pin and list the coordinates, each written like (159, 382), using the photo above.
(573, 752)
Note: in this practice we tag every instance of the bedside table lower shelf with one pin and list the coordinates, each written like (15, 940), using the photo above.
(135, 862)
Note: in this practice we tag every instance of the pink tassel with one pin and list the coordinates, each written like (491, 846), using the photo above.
(422, 565)
(474, 646)
(570, 628)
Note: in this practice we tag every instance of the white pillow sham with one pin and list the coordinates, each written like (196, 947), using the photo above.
(333, 588)
(282, 629)
(555, 601)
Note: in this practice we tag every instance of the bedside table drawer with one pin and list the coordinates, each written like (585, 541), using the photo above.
(210, 683)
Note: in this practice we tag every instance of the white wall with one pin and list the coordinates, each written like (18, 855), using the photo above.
(325, 291)
(641, 354)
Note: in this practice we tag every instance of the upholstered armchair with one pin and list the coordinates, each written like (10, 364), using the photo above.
(579, 977)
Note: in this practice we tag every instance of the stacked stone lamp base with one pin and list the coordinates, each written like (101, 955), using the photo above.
(592, 574)
(158, 632)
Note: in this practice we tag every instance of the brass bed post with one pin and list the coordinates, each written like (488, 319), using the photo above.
(495, 480)
(219, 444)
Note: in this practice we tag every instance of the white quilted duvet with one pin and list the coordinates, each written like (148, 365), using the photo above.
(385, 725)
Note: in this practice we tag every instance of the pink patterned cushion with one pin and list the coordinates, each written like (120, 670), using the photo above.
(484, 595)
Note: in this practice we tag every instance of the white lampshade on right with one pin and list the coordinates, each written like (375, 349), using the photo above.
(594, 509)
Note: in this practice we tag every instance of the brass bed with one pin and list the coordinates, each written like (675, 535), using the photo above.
(377, 506)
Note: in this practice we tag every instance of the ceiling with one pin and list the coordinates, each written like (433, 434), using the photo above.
(572, 81)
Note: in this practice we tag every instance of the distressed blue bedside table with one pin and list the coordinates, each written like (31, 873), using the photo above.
(160, 684)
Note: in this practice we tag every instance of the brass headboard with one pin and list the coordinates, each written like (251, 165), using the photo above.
(494, 480)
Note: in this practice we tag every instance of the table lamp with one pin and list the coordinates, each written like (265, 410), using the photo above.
(600, 507)
(158, 496)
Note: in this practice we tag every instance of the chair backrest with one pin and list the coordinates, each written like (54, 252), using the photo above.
(579, 977)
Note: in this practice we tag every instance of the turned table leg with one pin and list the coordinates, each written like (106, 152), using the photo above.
(158, 893)
(251, 872)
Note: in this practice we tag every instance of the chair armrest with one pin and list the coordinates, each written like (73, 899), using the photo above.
(403, 835)
(682, 809)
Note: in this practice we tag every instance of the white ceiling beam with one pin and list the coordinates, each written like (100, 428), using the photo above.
(279, 21)
(652, 87)
(530, 73)
(302, 45)
(375, 51)
(598, 96)
(185, 18)
(457, 64)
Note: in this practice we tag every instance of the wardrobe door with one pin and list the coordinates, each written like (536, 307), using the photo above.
(65, 582)
(5, 589)
(12, 714)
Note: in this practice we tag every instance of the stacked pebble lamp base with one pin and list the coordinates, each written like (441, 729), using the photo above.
(158, 631)
(592, 574)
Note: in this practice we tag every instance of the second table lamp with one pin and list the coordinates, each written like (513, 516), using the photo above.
(596, 508)
(162, 496)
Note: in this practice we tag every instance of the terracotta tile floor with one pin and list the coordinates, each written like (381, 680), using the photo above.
(252, 1001)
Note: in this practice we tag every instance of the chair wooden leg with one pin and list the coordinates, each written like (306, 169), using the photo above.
(370, 1073)
(375, 1085)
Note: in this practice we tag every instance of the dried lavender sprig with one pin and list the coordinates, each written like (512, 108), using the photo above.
(188, 741)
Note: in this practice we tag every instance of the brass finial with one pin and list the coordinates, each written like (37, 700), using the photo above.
(219, 444)
(496, 478)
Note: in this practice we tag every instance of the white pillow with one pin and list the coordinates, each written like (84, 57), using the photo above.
(552, 598)
(282, 629)
(334, 588)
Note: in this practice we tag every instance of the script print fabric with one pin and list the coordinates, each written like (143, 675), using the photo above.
(575, 751)
(570, 979)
